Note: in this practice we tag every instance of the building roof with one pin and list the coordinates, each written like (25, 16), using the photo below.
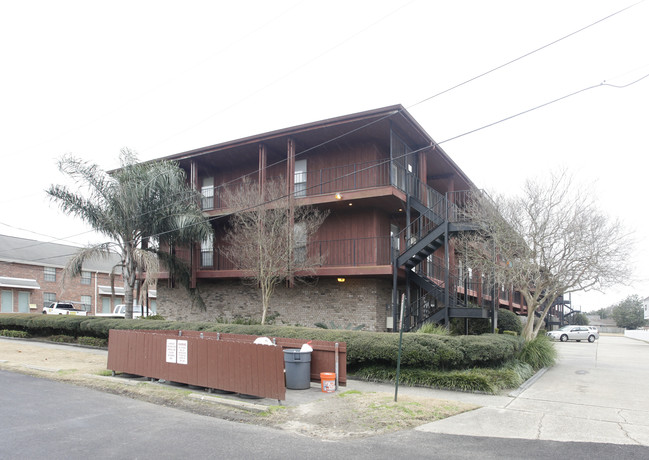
(346, 126)
(32, 252)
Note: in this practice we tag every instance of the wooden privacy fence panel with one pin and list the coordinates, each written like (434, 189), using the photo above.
(229, 362)
(224, 365)
(323, 357)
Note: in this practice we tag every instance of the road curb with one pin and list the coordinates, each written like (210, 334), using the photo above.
(251, 407)
(528, 383)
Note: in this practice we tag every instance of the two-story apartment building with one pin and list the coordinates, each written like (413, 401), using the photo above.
(31, 277)
(395, 201)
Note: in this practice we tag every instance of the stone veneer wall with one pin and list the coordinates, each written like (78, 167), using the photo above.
(358, 301)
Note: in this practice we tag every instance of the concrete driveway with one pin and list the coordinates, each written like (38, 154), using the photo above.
(597, 392)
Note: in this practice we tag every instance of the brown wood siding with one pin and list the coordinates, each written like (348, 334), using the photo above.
(356, 223)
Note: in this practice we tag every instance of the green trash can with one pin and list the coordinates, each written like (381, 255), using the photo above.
(297, 364)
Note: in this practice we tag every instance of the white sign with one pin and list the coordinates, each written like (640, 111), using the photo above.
(182, 352)
(171, 350)
(177, 351)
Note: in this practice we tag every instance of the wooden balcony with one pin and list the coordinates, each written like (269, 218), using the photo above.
(347, 257)
(367, 179)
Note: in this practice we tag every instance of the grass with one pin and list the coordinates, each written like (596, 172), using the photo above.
(272, 410)
(538, 353)
(349, 393)
(433, 328)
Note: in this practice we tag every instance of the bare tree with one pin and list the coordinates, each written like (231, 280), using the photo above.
(268, 235)
(549, 241)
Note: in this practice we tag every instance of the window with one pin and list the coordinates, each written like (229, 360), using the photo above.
(300, 178)
(49, 274)
(86, 302)
(207, 252)
(48, 298)
(401, 161)
(207, 190)
(299, 246)
(86, 277)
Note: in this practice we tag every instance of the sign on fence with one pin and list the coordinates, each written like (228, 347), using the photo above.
(177, 351)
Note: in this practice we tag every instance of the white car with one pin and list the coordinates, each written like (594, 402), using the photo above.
(577, 333)
(120, 310)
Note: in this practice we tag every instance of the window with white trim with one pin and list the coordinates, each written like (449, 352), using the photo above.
(49, 274)
(86, 277)
(299, 242)
(207, 190)
(86, 302)
(207, 252)
(300, 178)
(48, 298)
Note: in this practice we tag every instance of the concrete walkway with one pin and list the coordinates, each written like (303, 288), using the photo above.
(596, 393)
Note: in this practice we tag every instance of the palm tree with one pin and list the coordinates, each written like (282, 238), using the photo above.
(140, 207)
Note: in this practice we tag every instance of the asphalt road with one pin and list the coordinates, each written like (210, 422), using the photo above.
(45, 419)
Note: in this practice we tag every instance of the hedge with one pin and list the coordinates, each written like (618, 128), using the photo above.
(425, 351)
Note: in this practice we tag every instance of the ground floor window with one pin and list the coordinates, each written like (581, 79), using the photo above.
(48, 298)
(86, 302)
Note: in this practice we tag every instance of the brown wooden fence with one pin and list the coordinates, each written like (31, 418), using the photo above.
(227, 362)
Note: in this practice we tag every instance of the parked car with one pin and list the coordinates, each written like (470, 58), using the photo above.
(577, 333)
(120, 310)
(63, 308)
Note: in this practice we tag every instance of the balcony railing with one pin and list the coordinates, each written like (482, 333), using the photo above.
(353, 252)
(355, 176)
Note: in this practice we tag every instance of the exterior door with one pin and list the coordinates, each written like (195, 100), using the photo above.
(23, 302)
(105, 305)
(7, 302)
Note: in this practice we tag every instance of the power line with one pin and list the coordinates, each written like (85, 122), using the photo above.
(211, 219)
(452, 88)
(547, 45)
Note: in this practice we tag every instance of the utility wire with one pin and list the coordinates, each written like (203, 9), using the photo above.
(214, 218)
(455, 87)
(547, 45)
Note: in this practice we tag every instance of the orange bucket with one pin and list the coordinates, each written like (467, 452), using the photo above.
(328, 382)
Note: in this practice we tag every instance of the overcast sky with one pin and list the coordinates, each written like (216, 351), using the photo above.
(162, 77)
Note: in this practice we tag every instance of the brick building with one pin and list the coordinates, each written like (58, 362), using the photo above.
(31, 276)
(395, 202)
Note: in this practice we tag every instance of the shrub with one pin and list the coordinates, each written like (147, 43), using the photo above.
(428, 351)
(16, 334)
(509, 321)
(433, 328)
(477, 326)
(155, 317)
(514, 333)
(538, 353)
(511, 375)
(92, 342)
(62, 338)
(333, 325)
